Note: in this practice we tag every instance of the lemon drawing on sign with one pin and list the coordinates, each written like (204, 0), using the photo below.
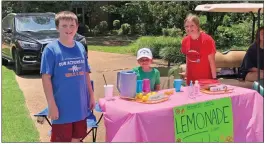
(229, 139)
(178, 140)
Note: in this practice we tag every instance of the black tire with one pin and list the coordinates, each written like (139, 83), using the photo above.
(4, 62)
(17, 66)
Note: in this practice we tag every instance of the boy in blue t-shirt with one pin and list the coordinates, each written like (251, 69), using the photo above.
(66, 82)
(145, 71)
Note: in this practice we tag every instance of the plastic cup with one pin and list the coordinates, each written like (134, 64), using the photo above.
(146, 85)
(177, 84)
(108, 91)
(139, 86)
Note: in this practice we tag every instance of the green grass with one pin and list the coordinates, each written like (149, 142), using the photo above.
(155, 42)
(111, 49)
(17, 126)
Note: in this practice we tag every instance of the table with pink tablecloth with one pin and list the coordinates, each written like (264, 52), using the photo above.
(127, 121)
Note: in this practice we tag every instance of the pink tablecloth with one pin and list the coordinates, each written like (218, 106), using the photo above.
(127, 121)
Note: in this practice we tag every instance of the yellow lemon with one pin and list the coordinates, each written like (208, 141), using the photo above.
(149, 94)
(153, 93)
(145, 98)
(139, 95)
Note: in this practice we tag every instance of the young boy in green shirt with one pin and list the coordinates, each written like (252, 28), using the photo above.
(145, 71)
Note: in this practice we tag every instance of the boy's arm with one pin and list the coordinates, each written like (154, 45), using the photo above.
(157, 81)
(88, 71)
(157, 87)
(48, 90)
(92, 100)
(46, 70)
(47, 87)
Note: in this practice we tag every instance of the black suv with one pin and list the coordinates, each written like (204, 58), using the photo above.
(24, 35)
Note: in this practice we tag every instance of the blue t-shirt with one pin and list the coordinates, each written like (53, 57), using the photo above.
(68, 68)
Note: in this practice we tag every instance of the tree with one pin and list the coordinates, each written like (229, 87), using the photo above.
(34, 6)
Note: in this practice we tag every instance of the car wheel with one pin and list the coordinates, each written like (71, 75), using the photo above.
(4, 62)
(18, 67)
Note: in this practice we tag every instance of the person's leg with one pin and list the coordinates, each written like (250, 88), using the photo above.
(253, 76)
(79, 130)
(61, 132)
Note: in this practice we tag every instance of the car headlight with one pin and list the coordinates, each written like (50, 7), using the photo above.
(83, 41)
(28, 45)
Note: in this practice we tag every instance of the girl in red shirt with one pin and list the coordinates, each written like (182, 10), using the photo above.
(200, 50)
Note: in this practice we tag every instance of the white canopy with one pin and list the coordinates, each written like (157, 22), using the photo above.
(231, 7)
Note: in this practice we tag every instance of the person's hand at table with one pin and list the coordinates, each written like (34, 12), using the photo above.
(183, 75)
(92, 102)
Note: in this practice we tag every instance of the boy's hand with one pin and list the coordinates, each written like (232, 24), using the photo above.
(92, 102)
(53, 112)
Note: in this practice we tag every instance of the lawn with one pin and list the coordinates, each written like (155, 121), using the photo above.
(112, 44)
(110, 49)
(17, 126)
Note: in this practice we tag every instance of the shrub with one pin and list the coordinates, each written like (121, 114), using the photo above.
(116, 24)
(125, 28)
(156, 43)
(173, 32)
(96, 30)
(137, 29)
(172, 54)
(174, 71)
(142, 29)
(165, 31)
(152, 29)
(236, 35)
(103, 26)
(114, 32)
(120, 32)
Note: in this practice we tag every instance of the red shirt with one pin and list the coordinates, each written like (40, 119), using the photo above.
(197, 51)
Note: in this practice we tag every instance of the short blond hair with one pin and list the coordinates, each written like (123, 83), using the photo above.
(194, 18)
(65, 15)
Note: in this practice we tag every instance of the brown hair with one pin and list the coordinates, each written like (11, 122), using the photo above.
(194, 18)
(65, 15)
(258, 35)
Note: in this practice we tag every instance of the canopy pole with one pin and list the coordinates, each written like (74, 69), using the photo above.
(258, 52)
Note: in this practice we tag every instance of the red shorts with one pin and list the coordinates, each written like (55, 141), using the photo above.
(65, 132)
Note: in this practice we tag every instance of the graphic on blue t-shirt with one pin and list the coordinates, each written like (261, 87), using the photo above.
(74, 70)
(67, 67)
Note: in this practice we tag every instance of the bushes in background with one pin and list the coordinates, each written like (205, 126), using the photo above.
(237, 35)
(172, 54)
(103, 27)
(125, 29)
(116, 24)
(167, 48)
(173, 32)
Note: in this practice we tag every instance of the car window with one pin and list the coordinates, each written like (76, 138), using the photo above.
(8, 22)
(35, 23)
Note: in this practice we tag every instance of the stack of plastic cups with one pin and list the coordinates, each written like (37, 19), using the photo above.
(177, 84)
(146, 86)
(139, 86)
(108, 92)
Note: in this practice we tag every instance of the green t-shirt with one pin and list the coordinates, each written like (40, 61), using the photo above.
(153, 76)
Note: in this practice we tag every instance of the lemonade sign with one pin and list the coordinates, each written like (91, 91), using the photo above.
(210, 121)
